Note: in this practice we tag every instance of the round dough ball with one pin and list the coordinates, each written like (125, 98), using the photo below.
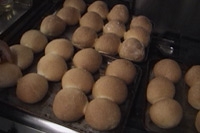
(166, 113)
(69, 104)
(110, 87)
(197, 122)
(23, 56)
(34, 40)
(192, 75)
(88, 59)
(107, 43)
(99, 7)
(78, 4)
(194, 96)
(10, 73)
(119, 12)
(141, 21)
(69, 14)
(78, 78)
(160, 88)
(61, 47)
(132, 50)
(84, 37)
(92, 20)
(52, 67)
(115, 27)
(102, 114)
(31, 88)
(52, 26)
(138, 33)
(122, 69)
(168, 68)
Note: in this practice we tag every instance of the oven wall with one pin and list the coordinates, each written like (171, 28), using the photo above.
(178, 16)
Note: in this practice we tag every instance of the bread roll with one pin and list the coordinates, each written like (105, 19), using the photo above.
(168, 68)
(160, 88)
(192, 75)
(6, 55)
(10, 73)
(102, 114)
(131, 49)
(31, 88)
(194, 96)
(69, 104)
(119, 12)
(88, 59)
(23, 56)
(115, 27)
(99, 7)
(92, 20)
(138, 33)
(69, 14)
(52, 67)
(141, 21)
(110, 87)
(108, 43)
(122, 69)
(52, 26)
(84, 37)
(61, 47)
(78, 78)
(78, 4)
(34, 40)
(197, 122)
(166, 113)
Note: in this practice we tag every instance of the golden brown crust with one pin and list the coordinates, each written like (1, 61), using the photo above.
(78, 4)
(122, 69)
(192, 75)
(84, 37)
(99, 7)
(159, 88)
(23, 56)
(102, 114)
(10, 73)
(141, 21)
(69, 14)
(168, 68)
(138, 33)
(52, 26)
(119, 12)
(88, 59)
(69, 104)
(92, 20)
(166, 113)
(107, 43)
(31, 88)
(78, 78)
(34, 40)
(61, 47)
(110, 87)
(52, 67)
(115, 27)
(132, 50)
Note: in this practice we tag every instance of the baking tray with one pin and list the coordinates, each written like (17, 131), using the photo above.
(43, 109)
(187, 123)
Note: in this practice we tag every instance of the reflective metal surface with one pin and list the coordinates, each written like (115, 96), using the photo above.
(9, 17)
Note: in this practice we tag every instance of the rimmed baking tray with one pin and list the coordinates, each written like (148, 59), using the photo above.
(43, 109)
(187, 123)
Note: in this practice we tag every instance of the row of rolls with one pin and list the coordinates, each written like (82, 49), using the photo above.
(164, 110)
(81, 95)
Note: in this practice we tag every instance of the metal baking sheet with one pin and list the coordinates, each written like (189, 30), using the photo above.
(187, 123)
